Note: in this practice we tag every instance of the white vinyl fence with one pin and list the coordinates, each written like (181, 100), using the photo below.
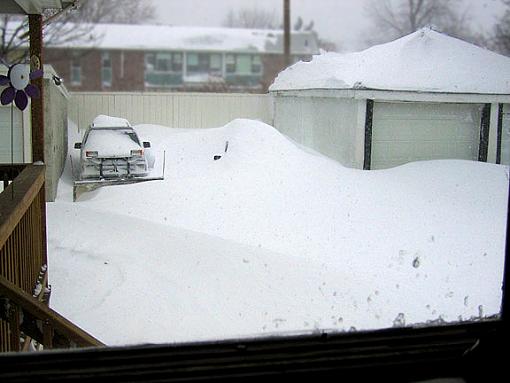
(176, 110)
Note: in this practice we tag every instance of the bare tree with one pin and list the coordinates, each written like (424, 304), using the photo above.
(71, 25)
(113, 11)
(396, 18)
(261, 19)
(500, 40)
(251, 18)
(299, 26)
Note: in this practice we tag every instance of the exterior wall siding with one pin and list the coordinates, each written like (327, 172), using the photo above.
(55, 136)
(18, 138)
(328, 125)
(175, 110)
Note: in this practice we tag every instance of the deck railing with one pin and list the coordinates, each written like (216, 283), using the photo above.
(22, 225)
(24, 290)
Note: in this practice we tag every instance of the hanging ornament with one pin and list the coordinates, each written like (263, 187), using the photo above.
(19, 87)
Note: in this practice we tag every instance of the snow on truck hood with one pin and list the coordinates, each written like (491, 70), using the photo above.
(274, 239)
(424, 61)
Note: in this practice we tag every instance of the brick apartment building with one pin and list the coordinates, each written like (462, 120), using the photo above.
(157, 57)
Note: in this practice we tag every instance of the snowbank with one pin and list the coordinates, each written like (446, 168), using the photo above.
(269, 238)
(425, 60)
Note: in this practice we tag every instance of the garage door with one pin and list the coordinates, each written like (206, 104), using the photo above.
(405, 132)
(5, 135)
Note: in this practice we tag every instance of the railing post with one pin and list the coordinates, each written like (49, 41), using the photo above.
(47, 334)
(37, 108)
(14, 327)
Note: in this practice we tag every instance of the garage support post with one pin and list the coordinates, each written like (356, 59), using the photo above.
(369, 115)
(499, 133)
(483, 147)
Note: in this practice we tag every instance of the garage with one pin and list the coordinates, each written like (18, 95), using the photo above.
(425, 96)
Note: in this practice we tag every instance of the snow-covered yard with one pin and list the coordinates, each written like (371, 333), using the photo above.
(272, 238)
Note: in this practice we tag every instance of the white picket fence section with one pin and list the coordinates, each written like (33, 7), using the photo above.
(176, 110)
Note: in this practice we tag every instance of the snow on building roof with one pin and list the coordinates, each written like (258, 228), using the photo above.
(166, 37)
(424, 61)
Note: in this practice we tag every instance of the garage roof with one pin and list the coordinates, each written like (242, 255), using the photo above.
(424, 61)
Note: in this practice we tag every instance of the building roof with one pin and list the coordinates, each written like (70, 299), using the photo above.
(424, 61)
(166, 37)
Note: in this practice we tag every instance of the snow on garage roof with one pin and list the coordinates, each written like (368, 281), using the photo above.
(424, 61)
(167, 37)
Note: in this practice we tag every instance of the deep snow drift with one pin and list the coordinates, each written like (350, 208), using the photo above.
(271, 238)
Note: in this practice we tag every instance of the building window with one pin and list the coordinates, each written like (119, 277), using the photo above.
(121, 64)
(163, 69)
(256, 64)
(215, 63)
(75, 72)
(230, 63)
(243, 64)
(106, 69)
(163, 62)
(177, 62)
(203, 63)
(191, 62)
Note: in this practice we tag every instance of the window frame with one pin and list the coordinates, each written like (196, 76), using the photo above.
(405, 354)
(202, 63)
(106, 69)
(253, 61)
(75, 72)
(256, 61)
(174, 62)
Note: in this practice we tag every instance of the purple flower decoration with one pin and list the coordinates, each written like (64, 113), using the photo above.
(19, 88)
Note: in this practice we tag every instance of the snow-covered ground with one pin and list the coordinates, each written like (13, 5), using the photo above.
(272, 238)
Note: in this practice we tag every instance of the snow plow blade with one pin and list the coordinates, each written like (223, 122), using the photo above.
(80, 187)
(87, 185)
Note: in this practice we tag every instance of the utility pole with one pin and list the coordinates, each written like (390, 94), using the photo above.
(286, 32)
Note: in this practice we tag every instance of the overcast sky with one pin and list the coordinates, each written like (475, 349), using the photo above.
(341, 21)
